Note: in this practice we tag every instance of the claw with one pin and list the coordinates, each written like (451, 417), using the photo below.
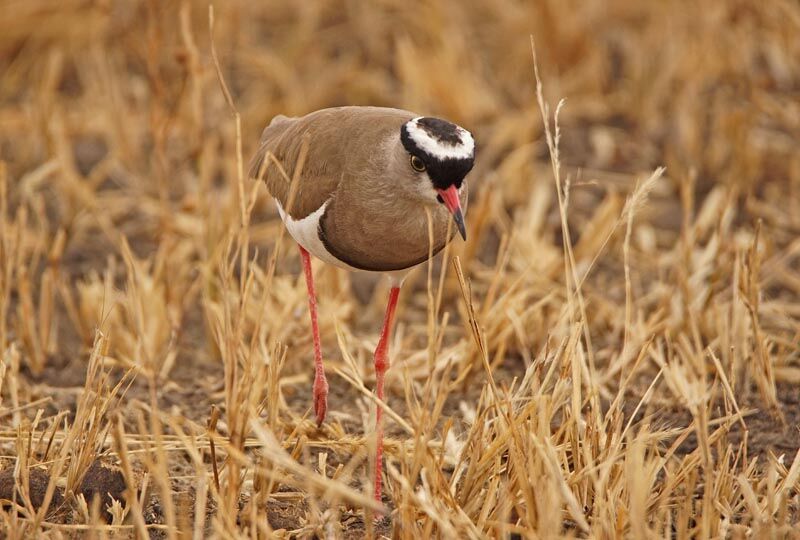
(320, 397)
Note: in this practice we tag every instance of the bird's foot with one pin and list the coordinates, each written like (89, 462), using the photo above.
(381, 520)
(320, 397)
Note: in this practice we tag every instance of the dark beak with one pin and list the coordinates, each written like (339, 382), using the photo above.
(451, 201)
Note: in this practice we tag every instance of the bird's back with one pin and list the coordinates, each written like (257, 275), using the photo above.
(337, 140)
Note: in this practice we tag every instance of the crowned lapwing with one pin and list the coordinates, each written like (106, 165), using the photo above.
(370, 179)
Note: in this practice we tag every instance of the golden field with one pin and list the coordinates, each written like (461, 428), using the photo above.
(614, 352)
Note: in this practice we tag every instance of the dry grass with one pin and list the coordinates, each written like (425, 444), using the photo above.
(613, 353)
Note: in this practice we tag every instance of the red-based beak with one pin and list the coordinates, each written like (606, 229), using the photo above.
(451, 201)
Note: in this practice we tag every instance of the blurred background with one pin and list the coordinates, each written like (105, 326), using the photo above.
(113, 124)
(122, 189)
(707, 92)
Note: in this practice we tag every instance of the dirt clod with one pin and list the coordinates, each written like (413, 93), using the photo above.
(103, 480)
(38, 480)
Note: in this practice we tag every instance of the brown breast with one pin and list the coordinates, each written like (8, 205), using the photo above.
(381, 233)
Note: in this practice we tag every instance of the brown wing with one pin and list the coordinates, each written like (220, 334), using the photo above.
(334, 139)
(283, 138)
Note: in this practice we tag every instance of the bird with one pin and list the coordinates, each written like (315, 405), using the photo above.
(371, 181)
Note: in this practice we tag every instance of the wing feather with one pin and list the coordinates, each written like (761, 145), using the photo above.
(342, 144)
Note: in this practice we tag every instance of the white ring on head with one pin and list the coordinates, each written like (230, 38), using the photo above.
(441, 149)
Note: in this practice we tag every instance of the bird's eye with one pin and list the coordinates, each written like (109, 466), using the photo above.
(417, 164)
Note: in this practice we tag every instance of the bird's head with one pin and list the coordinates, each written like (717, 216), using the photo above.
(439, 154)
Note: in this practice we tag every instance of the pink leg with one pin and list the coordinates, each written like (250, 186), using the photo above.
(381, 365)
(320, 383)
